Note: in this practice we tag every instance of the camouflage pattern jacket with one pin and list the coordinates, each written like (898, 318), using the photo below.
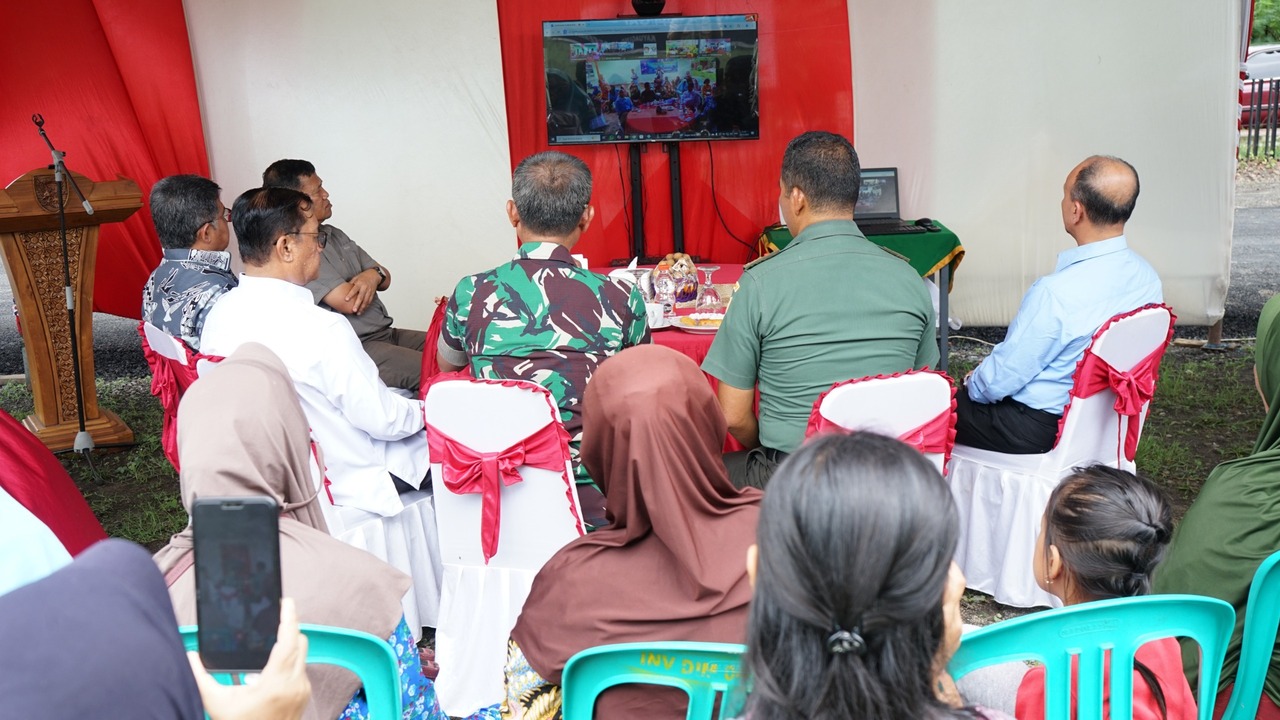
(542, 318)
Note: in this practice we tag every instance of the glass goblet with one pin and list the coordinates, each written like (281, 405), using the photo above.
(709, 298)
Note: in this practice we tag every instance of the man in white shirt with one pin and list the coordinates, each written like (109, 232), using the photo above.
(367, 433)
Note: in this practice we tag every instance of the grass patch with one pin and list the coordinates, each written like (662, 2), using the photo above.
(137, 497)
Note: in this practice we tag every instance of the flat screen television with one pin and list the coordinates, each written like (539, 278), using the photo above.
(652, 79)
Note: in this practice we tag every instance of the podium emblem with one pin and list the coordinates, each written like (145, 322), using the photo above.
(47, 192)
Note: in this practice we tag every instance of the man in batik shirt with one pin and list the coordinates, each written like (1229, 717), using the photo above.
(193, 227)
(540, 317)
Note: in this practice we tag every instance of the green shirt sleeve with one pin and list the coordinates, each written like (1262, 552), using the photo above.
(734, 357)
(637, 331)
(927, 352)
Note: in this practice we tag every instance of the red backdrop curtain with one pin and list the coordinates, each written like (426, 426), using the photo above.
(805, 83)
(115, 83)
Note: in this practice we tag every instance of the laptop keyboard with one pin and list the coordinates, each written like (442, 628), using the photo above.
(900, 229)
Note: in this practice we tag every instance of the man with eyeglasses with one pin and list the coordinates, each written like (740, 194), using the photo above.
(195, 270)
(369, 434)
(350, 281)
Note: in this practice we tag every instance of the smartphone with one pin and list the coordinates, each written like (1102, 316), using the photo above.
(237, 562)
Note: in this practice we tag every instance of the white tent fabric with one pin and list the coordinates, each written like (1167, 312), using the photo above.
(399, 103)
(985, 107)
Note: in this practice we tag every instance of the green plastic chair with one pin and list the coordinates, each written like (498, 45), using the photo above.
(1261, 619)
(370, 658)
(1088, 631)
(703, 670)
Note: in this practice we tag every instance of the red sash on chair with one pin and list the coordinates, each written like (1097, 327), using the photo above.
(937, 435)
(430, 360)
(1133, 390)
(468, 471)
(169, 380)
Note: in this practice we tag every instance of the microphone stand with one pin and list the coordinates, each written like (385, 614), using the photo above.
(84, 441)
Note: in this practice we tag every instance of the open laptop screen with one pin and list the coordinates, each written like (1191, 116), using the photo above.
(878, 196)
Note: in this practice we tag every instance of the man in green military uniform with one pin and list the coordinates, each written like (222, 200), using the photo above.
(829, 306)
(540, 317)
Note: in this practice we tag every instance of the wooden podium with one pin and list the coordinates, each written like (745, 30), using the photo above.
(32, 248)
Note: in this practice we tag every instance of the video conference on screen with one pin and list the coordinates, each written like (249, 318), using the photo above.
(652, 79)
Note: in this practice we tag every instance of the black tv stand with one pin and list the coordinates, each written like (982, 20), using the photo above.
(672, 149)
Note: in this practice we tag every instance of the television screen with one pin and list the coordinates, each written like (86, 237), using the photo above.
(653, 79)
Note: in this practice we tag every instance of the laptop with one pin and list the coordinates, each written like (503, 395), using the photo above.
(877, 211)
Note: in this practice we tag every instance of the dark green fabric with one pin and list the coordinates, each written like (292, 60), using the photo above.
(925, 252)
(1234, 524)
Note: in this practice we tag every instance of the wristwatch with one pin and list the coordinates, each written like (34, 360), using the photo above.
(382, 274)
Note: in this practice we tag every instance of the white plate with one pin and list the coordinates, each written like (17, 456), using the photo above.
(703, 329)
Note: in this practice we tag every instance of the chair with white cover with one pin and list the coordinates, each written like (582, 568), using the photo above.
(505, 503)
(174, 366)
(1002, 497)
(917, 407)
(406, 541)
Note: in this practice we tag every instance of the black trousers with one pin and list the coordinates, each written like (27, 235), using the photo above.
(1007, 426)
(754, 467)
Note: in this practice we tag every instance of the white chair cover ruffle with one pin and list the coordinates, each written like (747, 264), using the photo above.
(481, 601)
(1001, 498)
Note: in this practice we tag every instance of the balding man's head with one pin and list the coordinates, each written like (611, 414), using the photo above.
(551, 191)
(1107, 188)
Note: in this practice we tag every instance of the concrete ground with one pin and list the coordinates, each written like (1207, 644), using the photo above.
(1255, 277)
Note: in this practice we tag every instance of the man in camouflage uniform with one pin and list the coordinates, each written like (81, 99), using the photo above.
(540, 317)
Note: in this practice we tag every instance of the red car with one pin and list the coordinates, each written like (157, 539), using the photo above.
(1262, 63)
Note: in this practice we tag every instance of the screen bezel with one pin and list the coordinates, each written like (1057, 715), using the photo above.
(218, 520)
(892, 215)
(640, 22)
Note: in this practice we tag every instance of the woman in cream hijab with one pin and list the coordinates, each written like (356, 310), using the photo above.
(241, 431)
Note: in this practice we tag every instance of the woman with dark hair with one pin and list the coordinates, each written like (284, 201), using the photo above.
(1234, 524)
(857, 602)
(1103, 533)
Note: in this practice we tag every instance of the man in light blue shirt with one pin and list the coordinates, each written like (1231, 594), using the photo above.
(1013, 400)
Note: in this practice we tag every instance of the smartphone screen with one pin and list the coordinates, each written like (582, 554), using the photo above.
(237, 562)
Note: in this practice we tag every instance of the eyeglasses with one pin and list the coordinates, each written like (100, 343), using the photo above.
(226, 217)
(321, 238)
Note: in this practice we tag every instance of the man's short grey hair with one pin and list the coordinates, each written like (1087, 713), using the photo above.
(180, 206)
(551, 190)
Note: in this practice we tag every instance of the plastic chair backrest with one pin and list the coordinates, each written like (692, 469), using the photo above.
(1088, 631)
(1261, 619)
(1091, 424)
(704, 670)
(540, 515)
(368, 657)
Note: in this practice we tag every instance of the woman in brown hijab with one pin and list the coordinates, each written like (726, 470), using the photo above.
(670, 564)
(241, 431)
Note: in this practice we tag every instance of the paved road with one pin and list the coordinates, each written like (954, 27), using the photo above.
(1255, 277)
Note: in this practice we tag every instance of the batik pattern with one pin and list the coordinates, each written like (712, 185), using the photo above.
(179, 293)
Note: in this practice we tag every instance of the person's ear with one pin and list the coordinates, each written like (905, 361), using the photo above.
(799, 202)
(204, 237)
(512, 214)
(284, 248)
(753, 556)
(588, 215)
(1053, 566)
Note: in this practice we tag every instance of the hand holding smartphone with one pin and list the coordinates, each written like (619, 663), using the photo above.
(237, 563)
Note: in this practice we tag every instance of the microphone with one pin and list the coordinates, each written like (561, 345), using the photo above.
(38, 119)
